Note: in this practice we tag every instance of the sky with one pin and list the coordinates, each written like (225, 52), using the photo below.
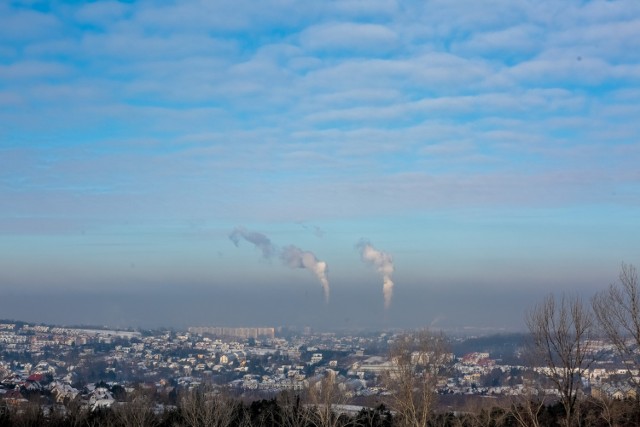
(344, 163)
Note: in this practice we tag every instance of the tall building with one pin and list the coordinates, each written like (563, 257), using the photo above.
(263, 332)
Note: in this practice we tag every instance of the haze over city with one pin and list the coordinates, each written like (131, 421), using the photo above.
(339, 164)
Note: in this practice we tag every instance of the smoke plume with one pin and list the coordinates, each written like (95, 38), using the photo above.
(259, 240)
(383, 263)
(292, 256)
(295, 257)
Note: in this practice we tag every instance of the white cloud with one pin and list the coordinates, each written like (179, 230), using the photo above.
(25, 70)
(561, 67)
(11, 99)
(349, 37)
(22, 25)
(137, 47)
(524, 39)
(611, 40)
(102, 13)
(363, 8)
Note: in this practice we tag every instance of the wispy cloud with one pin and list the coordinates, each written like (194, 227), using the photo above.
(349, 37)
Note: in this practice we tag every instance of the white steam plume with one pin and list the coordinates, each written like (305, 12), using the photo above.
(291, 256)
(383, 263)
(295, 257)
(259, 240)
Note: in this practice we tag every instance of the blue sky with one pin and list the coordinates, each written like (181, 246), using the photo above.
(486, 146)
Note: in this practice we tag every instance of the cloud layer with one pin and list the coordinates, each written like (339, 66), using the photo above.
(541, 95)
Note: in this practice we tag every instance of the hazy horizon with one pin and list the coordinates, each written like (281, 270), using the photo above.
(351, 308)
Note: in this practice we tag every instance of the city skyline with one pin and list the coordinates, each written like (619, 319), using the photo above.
(486, 151)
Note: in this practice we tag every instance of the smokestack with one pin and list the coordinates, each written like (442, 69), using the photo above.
(259, 240)
(295, 257)
(383, 263)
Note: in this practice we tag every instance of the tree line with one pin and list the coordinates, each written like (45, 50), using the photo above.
(566, 333)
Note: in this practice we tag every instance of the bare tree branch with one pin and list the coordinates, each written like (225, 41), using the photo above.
(417, 359)
(561, 333)
(205, 408)
(618, 312)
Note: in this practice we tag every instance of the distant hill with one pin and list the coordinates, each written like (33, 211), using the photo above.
(499, 346)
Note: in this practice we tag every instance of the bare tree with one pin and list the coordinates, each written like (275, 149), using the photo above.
(243, 418)
(323, 396)
(618, 312)
(417, 362)
(292, 412)
(527, 405)
(205, 408)
(137, 412)
(561, 333)
(76, 414)
(29, 414)
(482, 412)
(607, 409)
(371, 417)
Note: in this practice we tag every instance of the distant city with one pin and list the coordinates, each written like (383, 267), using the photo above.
(100, 367)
